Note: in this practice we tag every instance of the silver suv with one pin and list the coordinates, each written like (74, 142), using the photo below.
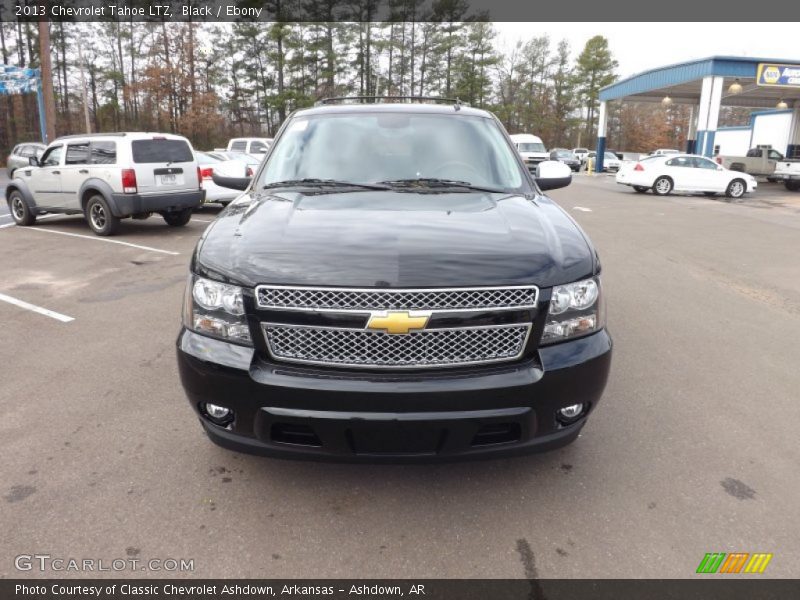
(108, 177)
(21, 154)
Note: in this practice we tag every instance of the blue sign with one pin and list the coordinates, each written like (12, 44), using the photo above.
(775, 75)
(16, 80)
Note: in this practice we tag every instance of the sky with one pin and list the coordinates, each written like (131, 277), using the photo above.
(641, 46)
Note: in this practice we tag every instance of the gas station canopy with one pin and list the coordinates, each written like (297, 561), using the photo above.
(706, 85)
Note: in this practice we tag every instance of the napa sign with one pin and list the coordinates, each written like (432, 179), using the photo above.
(776, 75)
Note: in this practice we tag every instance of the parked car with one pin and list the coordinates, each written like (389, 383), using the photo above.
(760, 162)
(394, 300)
(249, 145)
(21, 154)
(788, 171)
(240, 164)
(108, 177)
(531, 149)
(209, 165)
(580, 153)
(685, 173)
(565, 156)
(611, 161)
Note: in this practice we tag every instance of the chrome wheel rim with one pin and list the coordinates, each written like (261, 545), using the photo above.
(18, 209)
(663, 186)
(98, 216)
(737, 189)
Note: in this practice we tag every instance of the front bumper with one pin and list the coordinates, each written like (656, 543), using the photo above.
(124, 205)
(293, 412)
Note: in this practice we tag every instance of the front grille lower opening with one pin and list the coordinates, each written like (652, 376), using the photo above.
(497, 433)
(294, 434)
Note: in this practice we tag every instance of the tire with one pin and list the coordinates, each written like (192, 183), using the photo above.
(19, 209)
(99, 216)
(792, 186)
(178, 218)
(640, 189)
(662, 186)
(736, 189)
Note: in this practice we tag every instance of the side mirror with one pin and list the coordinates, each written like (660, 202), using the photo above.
(33, 161)
(234, 183)
(552, 174)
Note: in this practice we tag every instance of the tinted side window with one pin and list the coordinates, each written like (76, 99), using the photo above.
(256, 147)
(77, 154)
(704, 163)
(775, 155)
(239, 147)
(161, 151)
(52, 157)
(104, 153)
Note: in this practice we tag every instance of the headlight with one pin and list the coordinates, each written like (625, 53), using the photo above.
(215, 309)
(575, 309)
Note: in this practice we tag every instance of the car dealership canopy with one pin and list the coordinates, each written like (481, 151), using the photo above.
(708, 84)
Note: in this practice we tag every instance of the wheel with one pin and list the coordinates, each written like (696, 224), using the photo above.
(640, 189)
(709, 193)
(662, 186)
(20, 211)
(792, 186)
(736, 188)
(99, 216)
(178, 218)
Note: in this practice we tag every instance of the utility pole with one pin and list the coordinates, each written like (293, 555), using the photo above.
(47, 81)
(83, 88)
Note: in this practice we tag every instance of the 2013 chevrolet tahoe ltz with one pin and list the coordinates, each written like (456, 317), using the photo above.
(394, 285)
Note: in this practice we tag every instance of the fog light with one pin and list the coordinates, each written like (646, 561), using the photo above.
(570, 413)
(218, 414)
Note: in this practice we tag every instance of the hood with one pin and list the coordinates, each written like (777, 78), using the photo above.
(394, 239)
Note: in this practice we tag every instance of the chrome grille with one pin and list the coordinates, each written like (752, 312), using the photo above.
(428, 348)
(365, 300)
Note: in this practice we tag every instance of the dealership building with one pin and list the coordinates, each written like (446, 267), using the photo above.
(769, 86)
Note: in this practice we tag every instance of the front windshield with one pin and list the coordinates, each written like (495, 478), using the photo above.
(369, 148)
(611, 156)
(564, 154)
(529, 147)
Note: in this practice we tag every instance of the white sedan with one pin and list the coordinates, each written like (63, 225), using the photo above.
(685, 173)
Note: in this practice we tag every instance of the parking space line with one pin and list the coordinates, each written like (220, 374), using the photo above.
(101, 239)
(582, 208)
(203, 220)
(40, 217)
(36, 309)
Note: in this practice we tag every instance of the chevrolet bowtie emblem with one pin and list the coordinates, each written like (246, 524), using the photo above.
(399, 321)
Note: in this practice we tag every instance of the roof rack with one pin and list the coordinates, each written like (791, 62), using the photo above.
(380, 99)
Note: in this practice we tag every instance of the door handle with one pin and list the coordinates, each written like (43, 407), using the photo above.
(56, 172)
(83, 171)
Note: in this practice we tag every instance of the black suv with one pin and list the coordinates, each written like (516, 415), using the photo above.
(393, 285)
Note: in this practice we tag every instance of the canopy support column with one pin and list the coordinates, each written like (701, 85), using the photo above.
(602, 123)
(708, 117)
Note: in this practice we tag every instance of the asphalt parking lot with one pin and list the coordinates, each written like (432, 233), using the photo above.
(693, 450)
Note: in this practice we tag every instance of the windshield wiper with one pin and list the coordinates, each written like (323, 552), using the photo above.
(435, 183)
(324, 183)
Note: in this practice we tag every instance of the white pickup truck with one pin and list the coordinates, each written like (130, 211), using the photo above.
(788, 171)
(759, 162)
